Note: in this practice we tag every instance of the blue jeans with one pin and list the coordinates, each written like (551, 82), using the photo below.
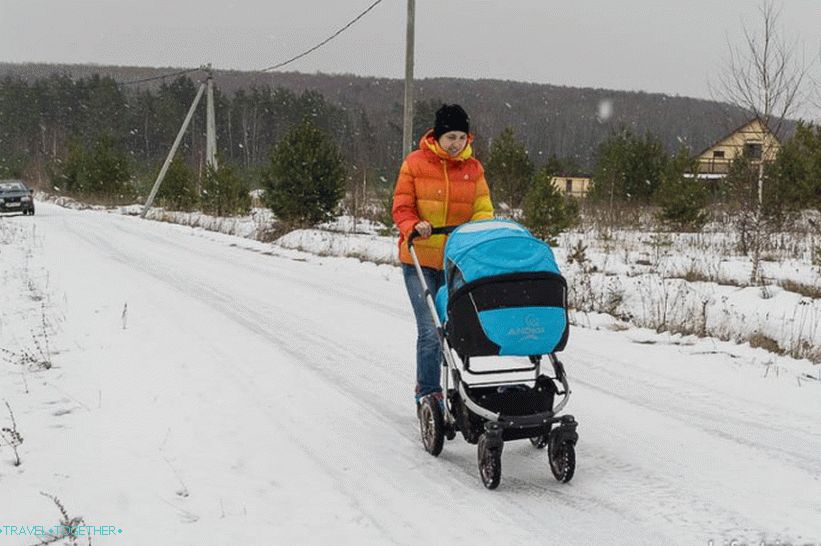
(428, 346)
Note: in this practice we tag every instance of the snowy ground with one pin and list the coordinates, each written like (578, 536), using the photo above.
(190, 387)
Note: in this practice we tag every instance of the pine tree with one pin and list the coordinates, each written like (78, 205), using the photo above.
(71, 175)
(223, 192)
(102, 172)
(796, 172)
(628, 168)
(178, 190)
(509, 170)
(547, 212)
(306, 177)
(683, 198)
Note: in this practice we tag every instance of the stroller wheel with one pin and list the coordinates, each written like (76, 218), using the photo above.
(490, 462)
(431, 425)
(539, 442)
(562, 461)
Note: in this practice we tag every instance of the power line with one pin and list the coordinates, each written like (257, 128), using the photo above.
(325, 41)
(160, 77)
(274, 67)
(19, 81)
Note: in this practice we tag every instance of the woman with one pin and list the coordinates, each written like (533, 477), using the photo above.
(440, 184)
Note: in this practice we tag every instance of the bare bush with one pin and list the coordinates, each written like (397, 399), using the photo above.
(67, 529)
(11, 436)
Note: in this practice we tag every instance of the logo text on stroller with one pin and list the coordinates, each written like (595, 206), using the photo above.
(532, 329)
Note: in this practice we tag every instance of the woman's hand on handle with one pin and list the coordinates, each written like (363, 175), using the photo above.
(424, 229)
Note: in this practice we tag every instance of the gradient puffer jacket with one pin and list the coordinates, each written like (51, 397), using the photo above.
(444, 190)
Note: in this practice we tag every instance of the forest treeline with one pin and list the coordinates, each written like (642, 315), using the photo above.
(96, 137)
(42, 106)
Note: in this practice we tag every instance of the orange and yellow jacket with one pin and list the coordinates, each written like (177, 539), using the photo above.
(444, 190)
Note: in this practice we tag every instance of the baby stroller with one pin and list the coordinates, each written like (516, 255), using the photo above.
(503, 296)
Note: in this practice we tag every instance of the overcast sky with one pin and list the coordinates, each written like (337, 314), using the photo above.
(669, 46)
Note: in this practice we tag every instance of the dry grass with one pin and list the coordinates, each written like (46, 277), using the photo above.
(695, 275)
(765, 342)
(806, 290)
(273, 231)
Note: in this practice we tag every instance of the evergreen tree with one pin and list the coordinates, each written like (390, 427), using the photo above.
(168, 111)
(223, 192)
(796, 182)
(424, 113)
(683, 198)
(561, 166)
(547, 212)
(306, 176)
(178, 190)
(101, 172)
(11, 166)
(71, 175)
(628, 168)
(101, 109)
(509, 170)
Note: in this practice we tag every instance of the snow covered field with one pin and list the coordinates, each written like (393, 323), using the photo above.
(189, 387)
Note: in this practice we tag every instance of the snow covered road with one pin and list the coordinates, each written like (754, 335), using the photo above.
(214, 390)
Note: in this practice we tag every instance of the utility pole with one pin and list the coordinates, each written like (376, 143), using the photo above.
(407, 130)
(173, 150)
(210, 125)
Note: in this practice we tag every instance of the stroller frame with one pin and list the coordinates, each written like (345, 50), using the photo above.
(437, 422)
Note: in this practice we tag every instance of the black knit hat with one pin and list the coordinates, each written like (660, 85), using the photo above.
(451, 117)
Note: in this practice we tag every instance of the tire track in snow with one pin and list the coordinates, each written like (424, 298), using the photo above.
(701, 411)
(285, 273)
(698, 474)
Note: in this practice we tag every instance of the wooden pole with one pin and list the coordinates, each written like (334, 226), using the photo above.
(171, 152)
(407, 131)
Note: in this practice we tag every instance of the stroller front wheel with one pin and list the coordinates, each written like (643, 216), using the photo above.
(562, 461)
(431, 425)
(490, 459)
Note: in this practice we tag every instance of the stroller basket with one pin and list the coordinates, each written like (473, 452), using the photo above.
(516, 399)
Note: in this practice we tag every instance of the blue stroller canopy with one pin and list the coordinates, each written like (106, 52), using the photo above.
(503, 292)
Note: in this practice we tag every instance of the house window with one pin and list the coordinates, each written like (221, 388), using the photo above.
(568, 187)
(752, 150)
(718, 154)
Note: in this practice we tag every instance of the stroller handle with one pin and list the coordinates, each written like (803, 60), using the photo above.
(444, 230)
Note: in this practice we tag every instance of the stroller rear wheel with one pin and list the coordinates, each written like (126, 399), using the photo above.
(431, 425)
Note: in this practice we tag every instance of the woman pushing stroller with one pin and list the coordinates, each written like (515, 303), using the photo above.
(501, 294)
(439, 184)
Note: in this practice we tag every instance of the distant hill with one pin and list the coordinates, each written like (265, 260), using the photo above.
(548, 119)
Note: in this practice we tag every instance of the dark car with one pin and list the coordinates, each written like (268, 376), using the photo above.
(16, 197)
